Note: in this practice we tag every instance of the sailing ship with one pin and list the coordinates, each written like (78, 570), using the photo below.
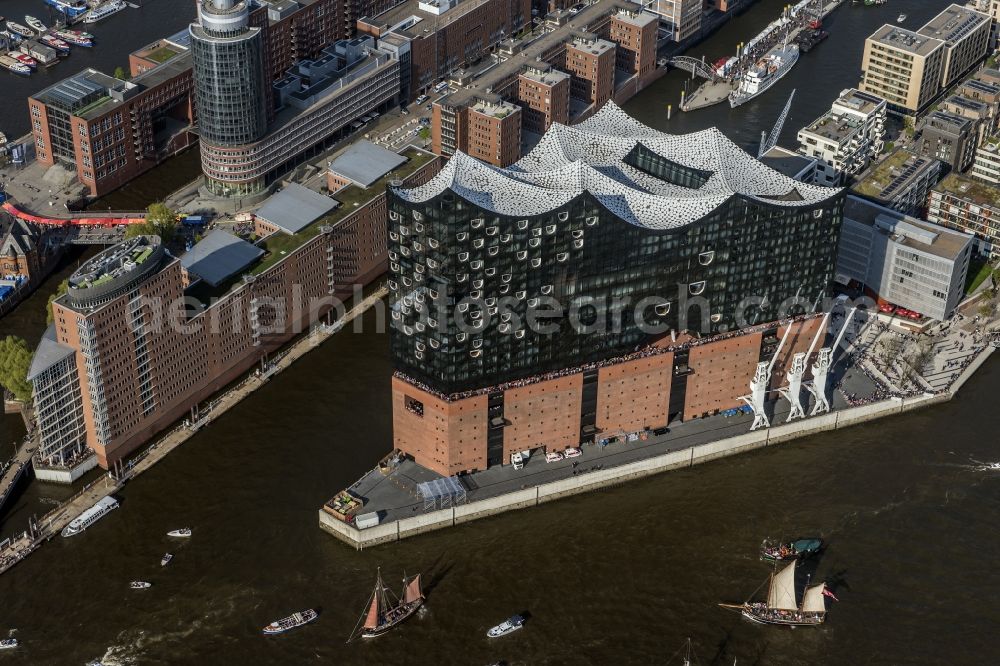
(790, 550)
(765, 73)
(384, 612)
(781, 607)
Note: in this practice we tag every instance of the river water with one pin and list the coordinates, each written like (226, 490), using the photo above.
(622, 576)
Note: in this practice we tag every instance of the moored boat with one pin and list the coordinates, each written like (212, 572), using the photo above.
(71, 8)
(91, 515)
(54, 42)
(23, 58)
(140, 585)
(19, 29)
(781, 606)
(790, 550)
(291, 622)
(8, 643)
(104, 11)
(182, 532)
(765, 73)
(35, 24)
(385, 612)
(79, 33)
(165, 560)
(508, 626)
(11, 38)
(73, 38)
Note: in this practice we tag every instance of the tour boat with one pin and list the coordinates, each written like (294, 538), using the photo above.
(790, 550)
(182, 532)
(79, 33)
(553, 456)
(12, 65)
(292, 621)
(73, 38)
(54, 42)
(781, 607)
(385, 611)
(165, 560)
(140, 585)
(508, 626)
(23, 58)
(35, 24)
(8, 643)
(572, 452)
(71, 8)
(764, 74)
(91, 516)
(19, 29)
(104, 11)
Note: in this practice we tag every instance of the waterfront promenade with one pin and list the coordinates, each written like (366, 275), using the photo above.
(53, 522)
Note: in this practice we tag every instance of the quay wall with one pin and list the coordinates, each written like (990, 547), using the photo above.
(603, 478)
(65, 475)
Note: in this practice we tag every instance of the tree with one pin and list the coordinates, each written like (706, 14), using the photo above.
(121, 74)
(15, 360)
(60, 290)
(160, 221)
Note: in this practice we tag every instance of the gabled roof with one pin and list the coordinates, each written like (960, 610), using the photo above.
(48, 353)
(590, 157)
(20, 238)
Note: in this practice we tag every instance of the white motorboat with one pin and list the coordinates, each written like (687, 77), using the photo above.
(900, 18)
(104, 11)
(182, 532)
(508, 626)
(8, 643)
(90, 516)
(35, 24)
(165, 560)
(140, 585)
(291, 622)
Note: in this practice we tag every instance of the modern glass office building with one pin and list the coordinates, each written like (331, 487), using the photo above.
(229, 74)
(627, 233)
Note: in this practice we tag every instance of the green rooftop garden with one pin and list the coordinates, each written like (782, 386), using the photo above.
(882, 174)
(280, 244)
(162, 54)
(971, 189)
(93, 105)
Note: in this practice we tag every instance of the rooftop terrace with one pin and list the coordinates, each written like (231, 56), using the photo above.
(884, 173)
(975, 191)
(905, 40)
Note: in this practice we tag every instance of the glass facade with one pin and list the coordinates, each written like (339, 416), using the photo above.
(464, 281)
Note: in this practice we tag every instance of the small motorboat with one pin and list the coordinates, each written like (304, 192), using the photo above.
(182, 532)
(165, 560)
(900, 18)
(8, 643)
(553, 456)
(35, 24)
(291, 622)
(790, 550)
(508, 626)
(572, 452)
(73, 38)
(54, 42)
(140, 585)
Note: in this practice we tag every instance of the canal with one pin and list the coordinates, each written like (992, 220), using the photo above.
(622, 576)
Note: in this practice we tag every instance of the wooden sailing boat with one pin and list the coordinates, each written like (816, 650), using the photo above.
(781, 606)
(385, 611)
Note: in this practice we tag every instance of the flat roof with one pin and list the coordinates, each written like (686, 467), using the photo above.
(973, 190)
(548, 76)
(531, 52)
(907, 230)
(906, 40)
(858, 101)
(218, 256)
(892, 173)
(295, 207)
(787, 162)
(151, 78)
(415, 22)
(953, 24)
(363, 163)
(77, 90)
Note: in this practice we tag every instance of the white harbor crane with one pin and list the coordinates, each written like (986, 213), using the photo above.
(769, 141)
(821, 368)
(758, 387)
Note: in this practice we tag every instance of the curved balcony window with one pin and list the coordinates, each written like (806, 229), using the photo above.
(393, 215)
(476, 353)
(591, 221)
(393, 256)
(418, 355)
(563, 216)
(519, 295)
(696, 288)
(716, 318)
(461, 337)
(551, 229)
(493, 251)
(705, 258)
(432, 322)
(404, 231)
(547, 289)
(418, 216)
(478, 243)
(577, 244)
(461, 277)
(477, 264)
(419, 228)
(405, 251)
(505, 238)
(477, 223)
(462, 235)
(522, 224)
(522, 255)
(393, 285)
(492, 231)
(477, 284)
(434, 343)
(519, 334)
(491, 271)
(393, 236)
(419, 345)
(419, 247)
(408, 330)
(407, 282)
(504, 289)
(532, 302)
(537, 231)
(419, 268)
(395, 315)
(431, 263)
(463, 256)
(433, 243)
(534, 242)
(394, 266)
(433, 293)
(463, 307)
(505, 278)
(562, 256)
(504, 328)
(662, 309)
(505, 316)
(477, 344)
(535, 263)
(578, 233)
(491, 300)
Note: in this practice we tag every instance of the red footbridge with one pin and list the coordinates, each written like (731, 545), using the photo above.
(110, 220)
